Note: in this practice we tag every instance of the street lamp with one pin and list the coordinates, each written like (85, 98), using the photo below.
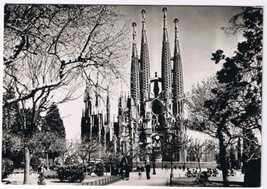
(171, 143)
(154, 146)
(154, 159)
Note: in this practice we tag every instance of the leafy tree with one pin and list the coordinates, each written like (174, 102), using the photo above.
(239, 103)
(12, 147)
(46, 143)
(53, 122)
(217, 125)
(198, 116)
(7, 167)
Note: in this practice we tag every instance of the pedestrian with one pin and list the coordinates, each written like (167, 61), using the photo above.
(139, 174)
(125, 167)
(147, 166)
(183, 167)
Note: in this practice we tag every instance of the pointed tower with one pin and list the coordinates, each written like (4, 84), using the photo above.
(108, 109)
(96, 92)
(144, 65)
(88, 99)
(178, 91)
(86, 114)
(166, 59)
(178, 87)
(135, 82)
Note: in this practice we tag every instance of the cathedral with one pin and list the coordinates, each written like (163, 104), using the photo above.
(150, 119)
(157, 102)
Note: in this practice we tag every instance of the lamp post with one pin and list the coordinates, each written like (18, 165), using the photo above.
(171, 140)
(154, 146)
(153, 159)
(170, 149)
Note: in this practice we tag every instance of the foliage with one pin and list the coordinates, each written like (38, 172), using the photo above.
(252, 176)
(228, 107)
(53, 122)
(71, 173)
(241, 74)
(203, 177)
(47, 142)
(35, 163)
(41, 179)
(111, 161)
(12, 145)
(7, 167)
(238, 105)
(198, 118)
(99, 169)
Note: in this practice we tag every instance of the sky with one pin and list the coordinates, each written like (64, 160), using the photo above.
(200, 34)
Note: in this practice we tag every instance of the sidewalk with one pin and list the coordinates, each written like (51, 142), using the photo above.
(160, 179)
(163, 177)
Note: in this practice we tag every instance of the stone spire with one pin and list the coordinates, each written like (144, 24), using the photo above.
(166, 58)
(135, 83)
(87, 98)
(178, 87)
(144, 63)
(108, 108)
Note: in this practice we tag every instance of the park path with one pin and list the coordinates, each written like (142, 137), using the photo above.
(163, 176)
(160, 179)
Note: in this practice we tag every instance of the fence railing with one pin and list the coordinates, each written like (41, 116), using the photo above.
(102, 181)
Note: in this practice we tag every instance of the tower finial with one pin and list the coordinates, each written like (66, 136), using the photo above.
(143, 12)
(164, 10)
(134, 31)
(176, 20)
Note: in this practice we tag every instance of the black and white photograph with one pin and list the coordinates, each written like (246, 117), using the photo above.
(161, 95)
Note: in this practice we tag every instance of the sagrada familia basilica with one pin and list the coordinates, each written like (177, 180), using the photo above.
(150, 119)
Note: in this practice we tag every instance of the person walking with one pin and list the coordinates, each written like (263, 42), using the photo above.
(139, 174)
(147, 167)
(125, 168)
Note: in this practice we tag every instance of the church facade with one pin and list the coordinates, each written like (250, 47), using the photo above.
(150, 121)
(158, 100)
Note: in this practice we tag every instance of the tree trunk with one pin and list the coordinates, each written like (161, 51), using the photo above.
(47, 161)
(223, 163)
(198, 161)
(27, 165)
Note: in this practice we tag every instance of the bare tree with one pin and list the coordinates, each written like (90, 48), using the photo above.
(200, 148)
(50, 44)
(50, 48)
(89, 150)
